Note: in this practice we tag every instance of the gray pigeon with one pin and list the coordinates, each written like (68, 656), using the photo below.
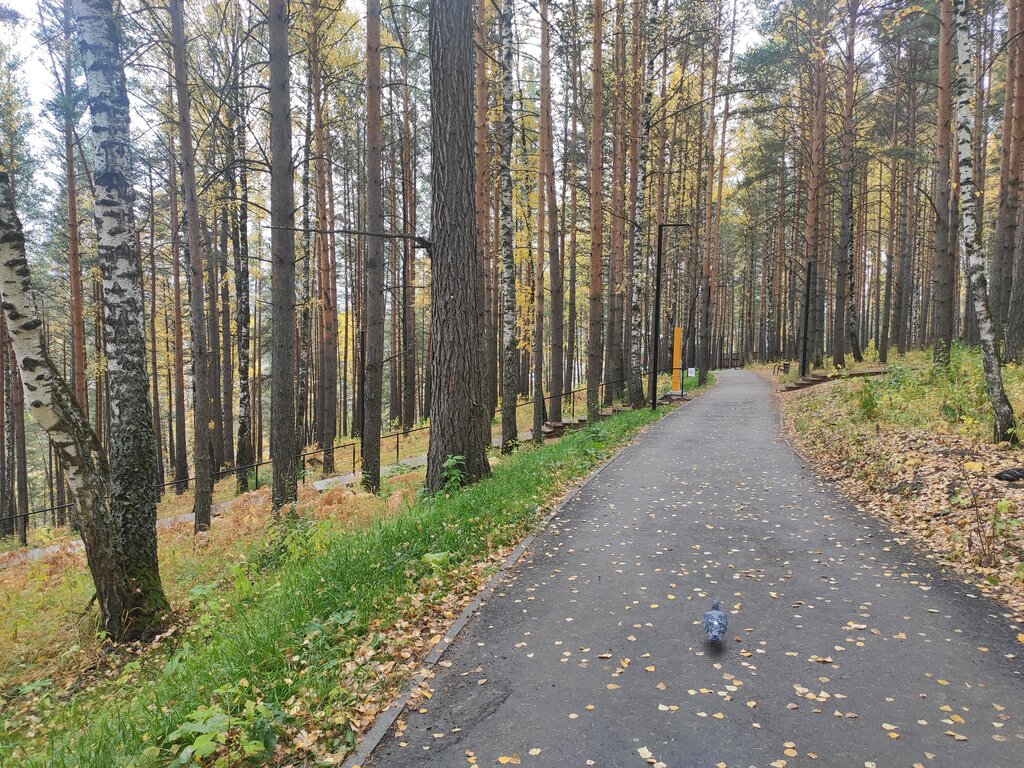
(715, 623)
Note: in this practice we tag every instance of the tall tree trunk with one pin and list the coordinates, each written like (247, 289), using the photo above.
(244, 454)
(1004, 423)
(374, 296)
(202, 456)
(132, 451)
(409, 250)
(482, 181)
(459, 413)
(554, 261)
(74, 442)
(510, 346)
(636, 388)
(328, 279)
(945, 246)
(180, 451)
(283, 440)
(596, 220)
(843, 313)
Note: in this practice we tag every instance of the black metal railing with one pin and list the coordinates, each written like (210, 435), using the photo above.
(220, 474)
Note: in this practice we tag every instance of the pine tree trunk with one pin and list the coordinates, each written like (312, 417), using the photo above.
(203, 453)
(244, 454)
(284, 447)
(459, 413)
(945, 246)
(596, 221)
(845, 254)
(374, 295)
(1004, 423)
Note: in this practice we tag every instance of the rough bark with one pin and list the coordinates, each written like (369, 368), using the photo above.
(843, 312)
(374, 296)
(944, 274)
(554, 260)
(244, 454)
(596, 221)
(283, 440)
(203, 451)
(458, 411)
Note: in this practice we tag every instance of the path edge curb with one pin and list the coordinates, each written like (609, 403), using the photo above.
(389, 716)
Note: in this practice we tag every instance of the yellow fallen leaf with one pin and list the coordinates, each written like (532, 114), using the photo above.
(645, 753)
(956, 736)
(611, 686)
(512, 759)
(973, 466)
(535, 751)
(718, 716)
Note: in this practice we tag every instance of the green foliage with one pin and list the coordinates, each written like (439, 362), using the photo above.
(918, 393)
(452, 474)
(210, 731)
(221, 692)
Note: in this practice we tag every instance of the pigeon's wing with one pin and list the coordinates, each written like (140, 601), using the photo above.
(1011, 475)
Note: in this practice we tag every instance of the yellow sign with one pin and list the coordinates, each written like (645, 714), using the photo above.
(677, 360)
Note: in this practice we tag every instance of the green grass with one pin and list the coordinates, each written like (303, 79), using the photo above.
(916, 394)
(273, 649)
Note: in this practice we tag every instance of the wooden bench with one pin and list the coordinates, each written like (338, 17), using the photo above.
(782, 368)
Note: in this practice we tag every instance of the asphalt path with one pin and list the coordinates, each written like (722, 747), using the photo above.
(845, 647)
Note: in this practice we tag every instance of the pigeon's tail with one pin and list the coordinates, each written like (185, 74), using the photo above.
(714, 606)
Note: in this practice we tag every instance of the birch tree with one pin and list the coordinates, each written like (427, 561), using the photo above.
(75, 444)
(509, 341)
(132, 450)
(1004, 426)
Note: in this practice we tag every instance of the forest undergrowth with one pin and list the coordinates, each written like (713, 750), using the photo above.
(914, 446)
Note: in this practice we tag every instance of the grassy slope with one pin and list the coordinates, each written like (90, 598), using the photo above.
(300, 650)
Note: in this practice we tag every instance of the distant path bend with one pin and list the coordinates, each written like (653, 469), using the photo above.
(711, 502)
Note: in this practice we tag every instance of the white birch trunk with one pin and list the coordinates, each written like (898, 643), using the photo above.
(509, 343)
(635, 391)
(131, 445)
(53, 406)
(1004, 422)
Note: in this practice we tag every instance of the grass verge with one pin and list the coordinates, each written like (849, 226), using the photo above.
(312, 635)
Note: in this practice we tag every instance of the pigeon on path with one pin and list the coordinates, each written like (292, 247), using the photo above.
(715, 623)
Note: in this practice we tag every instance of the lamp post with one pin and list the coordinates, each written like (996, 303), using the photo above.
(656, 325)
